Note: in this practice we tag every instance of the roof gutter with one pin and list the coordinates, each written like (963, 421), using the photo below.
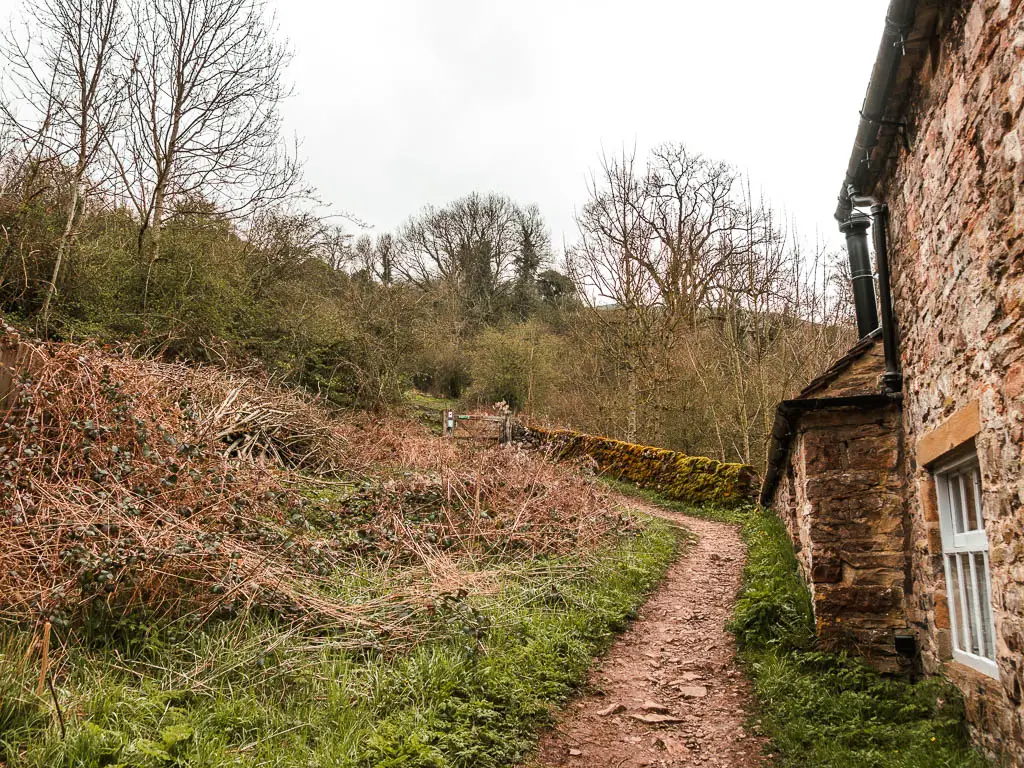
(898, 21)
(787, 415)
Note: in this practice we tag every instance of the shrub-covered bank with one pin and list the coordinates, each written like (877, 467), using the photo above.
(250, 692)
(824, 710)
(229, 573)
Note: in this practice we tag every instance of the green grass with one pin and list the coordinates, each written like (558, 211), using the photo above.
(824, 710)
(427, 409)
(252, 693)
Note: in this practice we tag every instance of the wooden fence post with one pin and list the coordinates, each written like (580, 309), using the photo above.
(10, 364)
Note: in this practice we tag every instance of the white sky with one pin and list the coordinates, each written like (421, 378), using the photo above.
(400, 103)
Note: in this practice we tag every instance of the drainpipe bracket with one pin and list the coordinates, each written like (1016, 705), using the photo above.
(892, 382)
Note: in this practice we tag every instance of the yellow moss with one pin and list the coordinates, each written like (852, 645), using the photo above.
(675, 475)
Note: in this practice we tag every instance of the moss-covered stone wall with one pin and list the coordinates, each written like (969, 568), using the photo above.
(690, 479)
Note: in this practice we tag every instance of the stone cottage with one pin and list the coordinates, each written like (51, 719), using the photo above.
(899, 470)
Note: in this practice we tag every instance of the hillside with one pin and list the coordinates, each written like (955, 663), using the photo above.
(234, 574)
(201, 567)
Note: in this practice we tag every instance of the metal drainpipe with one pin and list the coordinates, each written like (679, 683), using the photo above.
(856, 230)
(893, 378)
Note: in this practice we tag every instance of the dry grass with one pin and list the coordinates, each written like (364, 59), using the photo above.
(138, 485)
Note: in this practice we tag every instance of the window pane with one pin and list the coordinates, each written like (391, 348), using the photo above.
(968, 481)
(976, 477)
(979, 626)
(956, 508)
(968, 605)
(956, 602)
(981, 568)
(966, 560)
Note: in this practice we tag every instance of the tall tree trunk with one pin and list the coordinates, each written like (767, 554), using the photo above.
(62, 248)
(528, 406)
(154, 248)
(633, 406)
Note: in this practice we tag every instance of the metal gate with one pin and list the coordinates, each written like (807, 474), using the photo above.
(471, 426)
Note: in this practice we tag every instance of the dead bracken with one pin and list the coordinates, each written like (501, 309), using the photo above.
(140, 485)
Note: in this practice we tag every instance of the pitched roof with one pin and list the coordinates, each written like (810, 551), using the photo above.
(852, 381)
(834, 373)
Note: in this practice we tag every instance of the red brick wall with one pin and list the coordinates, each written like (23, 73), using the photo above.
(957, 252)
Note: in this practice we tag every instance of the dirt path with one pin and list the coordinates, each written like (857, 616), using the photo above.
(669, 692)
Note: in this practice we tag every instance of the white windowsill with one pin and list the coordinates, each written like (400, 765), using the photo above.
(977, 663)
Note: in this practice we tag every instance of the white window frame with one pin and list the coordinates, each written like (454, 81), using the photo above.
(966, 608)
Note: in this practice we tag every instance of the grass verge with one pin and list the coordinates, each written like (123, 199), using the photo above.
(251, 692)
(704, 511)
(427, 409)
(824, 710)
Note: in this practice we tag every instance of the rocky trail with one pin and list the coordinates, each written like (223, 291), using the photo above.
(669, 692)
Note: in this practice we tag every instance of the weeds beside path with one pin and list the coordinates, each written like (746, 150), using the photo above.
(830, 710)
(814, 708)
(254, 692)
(669, 693)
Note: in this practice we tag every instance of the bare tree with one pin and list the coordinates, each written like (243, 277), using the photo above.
(66, 83)
(773, 321)
(691, 284)
(655, 240)
(610, 265)
(385, 251)
(376, 258)
(691, 205)
(472, 246)
(746, 310)
(204, 90)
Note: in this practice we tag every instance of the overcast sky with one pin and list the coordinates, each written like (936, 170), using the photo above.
(400, 103)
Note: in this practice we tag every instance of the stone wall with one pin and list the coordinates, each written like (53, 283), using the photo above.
(674, 475)
(957, 253)
(842, 501)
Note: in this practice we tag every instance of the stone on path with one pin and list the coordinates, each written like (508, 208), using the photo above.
(680, 661)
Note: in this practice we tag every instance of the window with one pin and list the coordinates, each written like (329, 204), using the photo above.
(965, 556)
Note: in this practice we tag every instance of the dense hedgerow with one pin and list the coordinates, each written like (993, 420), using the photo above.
(674, 475)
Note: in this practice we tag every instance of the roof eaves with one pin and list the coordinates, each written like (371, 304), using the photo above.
(909, 26)
(787, 417)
